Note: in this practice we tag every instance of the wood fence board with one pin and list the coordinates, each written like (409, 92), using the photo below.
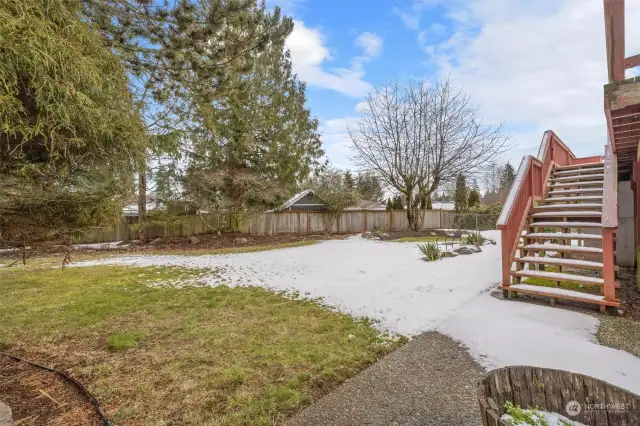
(269, 223)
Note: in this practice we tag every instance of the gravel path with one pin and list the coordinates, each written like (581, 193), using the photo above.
(429, 381)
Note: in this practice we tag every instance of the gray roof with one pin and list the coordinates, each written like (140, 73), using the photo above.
(291, 201)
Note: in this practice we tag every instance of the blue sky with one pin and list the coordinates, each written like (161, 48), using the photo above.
(532, 65)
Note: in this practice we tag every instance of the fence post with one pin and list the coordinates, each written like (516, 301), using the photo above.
(365, 221)
(308, 223)
(390, 219)
(440, 225)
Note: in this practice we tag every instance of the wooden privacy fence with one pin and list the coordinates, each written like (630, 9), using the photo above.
(273, 223)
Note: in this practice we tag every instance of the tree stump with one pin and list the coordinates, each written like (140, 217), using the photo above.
(578, 397)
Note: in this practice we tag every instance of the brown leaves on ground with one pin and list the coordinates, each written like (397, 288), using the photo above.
(39, 397)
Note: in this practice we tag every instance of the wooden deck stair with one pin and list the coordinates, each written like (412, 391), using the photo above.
(560, 242)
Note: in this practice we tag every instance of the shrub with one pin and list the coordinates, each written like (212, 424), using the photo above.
(431, 251)
(473, 238)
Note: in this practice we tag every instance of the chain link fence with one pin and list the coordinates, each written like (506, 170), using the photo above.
(474, 221)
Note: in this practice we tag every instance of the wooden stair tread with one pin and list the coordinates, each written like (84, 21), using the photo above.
(558, 276)
(564, 236)
(592, 170)
(572, 184)
(577, 177)
(558, 261)
(568, 206)
(562, 247)
(563, 224)
(581, 166)
(568, 213)
(578, 198)
(573, 191)
(561, 293)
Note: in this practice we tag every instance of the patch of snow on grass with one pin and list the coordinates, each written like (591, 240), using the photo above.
(384, 281)
(101, 246)
(389, 283)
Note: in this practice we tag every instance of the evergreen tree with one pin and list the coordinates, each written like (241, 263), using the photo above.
(389, 204)
(332, 190)
(474, 198)
(258, 139)
(460, 195)
(398, 203)
(70, 136)
(180, 58)
(508, 175)
(349, 182)
(368, 185)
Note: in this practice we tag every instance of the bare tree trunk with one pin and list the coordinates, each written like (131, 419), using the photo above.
(67, 251)
(142, 202)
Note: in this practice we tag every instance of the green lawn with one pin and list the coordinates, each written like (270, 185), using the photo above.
(157, 355)
(228, 250)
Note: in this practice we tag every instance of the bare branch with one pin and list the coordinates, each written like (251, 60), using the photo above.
(421, 136)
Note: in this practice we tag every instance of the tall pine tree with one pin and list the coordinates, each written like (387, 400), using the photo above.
(349, 182)
(179, 57)
(256, 142)
(460, 195)
(508, 175)
(368, 185)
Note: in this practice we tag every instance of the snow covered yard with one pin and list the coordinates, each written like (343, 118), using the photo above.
(387, 282)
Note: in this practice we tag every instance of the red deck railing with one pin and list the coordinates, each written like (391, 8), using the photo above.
(529, 186)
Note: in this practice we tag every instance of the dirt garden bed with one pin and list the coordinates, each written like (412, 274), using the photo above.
(198, 244)
(40, 397)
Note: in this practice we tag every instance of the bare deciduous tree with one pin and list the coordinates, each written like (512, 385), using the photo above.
(421, 136)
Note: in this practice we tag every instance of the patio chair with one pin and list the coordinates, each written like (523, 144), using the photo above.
(453, 235)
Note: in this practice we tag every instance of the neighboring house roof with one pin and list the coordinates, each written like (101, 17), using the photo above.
(368, 205)
(291, 201)
(443, 205)
(301, 201)
(153, 203)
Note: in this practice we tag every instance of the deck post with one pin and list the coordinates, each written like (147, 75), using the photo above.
(608, 270)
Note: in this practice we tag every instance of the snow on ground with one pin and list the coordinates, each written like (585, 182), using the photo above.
(501, 332)
(101, 246)
(387, 281)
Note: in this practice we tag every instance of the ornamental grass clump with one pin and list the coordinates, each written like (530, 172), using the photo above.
(430, 250)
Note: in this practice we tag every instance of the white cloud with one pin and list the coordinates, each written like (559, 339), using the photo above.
(411, 20)
(362, 106)
(535, 65)
(309, 56)
(336, 141)
(370, 43)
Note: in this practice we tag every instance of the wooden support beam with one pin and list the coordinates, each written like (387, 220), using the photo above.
(614, 33)
(608, 271)
(632, 61)
(634, 132)
(632, 137)
(633, 123)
